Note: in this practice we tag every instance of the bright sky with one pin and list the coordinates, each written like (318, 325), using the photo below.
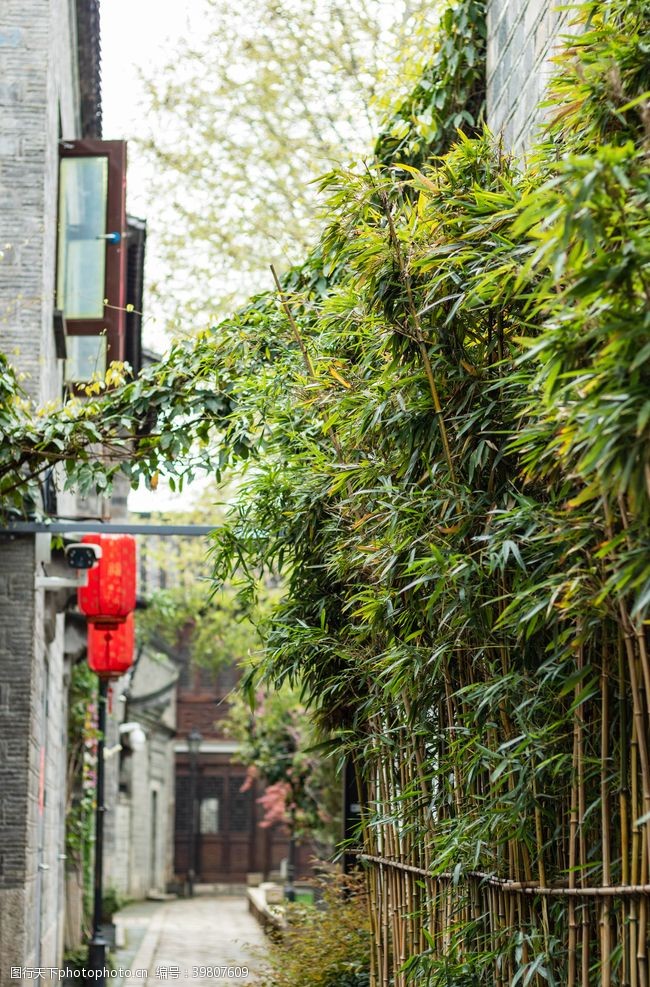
(137, 36)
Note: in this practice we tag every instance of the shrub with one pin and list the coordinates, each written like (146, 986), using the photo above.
(324, 946)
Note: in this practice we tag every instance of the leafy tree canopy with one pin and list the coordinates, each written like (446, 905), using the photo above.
(280, 745)
(254, 105)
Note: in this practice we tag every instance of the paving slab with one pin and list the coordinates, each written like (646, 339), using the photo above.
(199, 942)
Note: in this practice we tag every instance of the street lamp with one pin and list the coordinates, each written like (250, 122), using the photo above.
(98, 944)
(194, 739)
(289, 887)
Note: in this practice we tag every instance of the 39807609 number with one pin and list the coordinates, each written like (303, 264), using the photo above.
(220, 972)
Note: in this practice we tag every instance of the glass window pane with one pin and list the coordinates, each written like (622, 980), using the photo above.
(209, 816)
(86, 357)
(80, 283)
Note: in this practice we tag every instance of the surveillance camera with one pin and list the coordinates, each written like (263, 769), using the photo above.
(134, 736)
(83, 555)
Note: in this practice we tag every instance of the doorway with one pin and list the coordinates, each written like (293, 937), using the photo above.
(224, 822)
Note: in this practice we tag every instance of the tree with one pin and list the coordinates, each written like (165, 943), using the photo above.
(280, 745)
(255, 105)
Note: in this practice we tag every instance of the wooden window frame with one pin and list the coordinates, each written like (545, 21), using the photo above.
(113, 321)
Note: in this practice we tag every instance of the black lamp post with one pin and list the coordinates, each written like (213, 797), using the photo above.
(289, 887)
(194, 739)
(98, 944)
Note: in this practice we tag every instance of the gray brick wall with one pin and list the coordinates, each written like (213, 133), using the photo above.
(33, 717)
(20, 762)
(38, 93)
(522, 35)
(135, 866)
(38, 101)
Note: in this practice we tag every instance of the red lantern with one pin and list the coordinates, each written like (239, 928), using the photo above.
(110, 649)
(110, 593)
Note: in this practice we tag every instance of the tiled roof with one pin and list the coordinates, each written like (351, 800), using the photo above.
(88, 38)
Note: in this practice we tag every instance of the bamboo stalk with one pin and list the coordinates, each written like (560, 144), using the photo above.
(642, 939)
(384, 930)
(624, 810)
(541, 870)
(573, 838)
(417, 327)
(606, 927)
(634, 867)
(582, 843)
(451, 726)
(294, 326)
(639, 718)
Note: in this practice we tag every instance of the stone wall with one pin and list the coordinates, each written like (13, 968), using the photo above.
(522, 35)
(19, 760)
(141, 858)
(38, 95)
(38, 103)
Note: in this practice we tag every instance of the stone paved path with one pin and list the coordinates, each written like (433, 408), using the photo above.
(196, 942)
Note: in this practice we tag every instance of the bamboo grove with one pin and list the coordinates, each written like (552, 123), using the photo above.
(442, 420)
(454, 481)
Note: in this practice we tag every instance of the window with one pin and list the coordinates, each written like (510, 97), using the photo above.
(81, 261)
(209, 816)
(86, 356)
(92, 254)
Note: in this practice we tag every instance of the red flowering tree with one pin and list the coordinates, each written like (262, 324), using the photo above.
(280, 746)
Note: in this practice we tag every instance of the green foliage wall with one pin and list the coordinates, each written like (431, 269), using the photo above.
(454, 481)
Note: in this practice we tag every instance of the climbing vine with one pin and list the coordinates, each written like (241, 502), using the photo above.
(81, 779)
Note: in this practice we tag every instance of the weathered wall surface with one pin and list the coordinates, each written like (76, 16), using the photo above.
(142, 856)
(19, 760)
(522, 35)
(38, 93)
(38, 103)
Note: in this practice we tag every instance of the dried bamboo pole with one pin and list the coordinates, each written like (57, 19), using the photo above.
(541, 870)
(388, 850)
(374, 887)
(496, 943)
(405, 854)
(512, 912)
(373, 907)
(606, 836)
(582, 843)
(418, 334)
(634, 868)
(385, 941)
(573, 838)
(623, 801)
(642, 940)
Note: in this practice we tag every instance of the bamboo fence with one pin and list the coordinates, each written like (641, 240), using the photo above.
(568, 906)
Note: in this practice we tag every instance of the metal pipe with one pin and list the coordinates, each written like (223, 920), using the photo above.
(109, 528)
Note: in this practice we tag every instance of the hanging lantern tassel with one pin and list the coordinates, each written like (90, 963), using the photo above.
(110, 649)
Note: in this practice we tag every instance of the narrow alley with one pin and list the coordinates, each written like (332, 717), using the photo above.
(202, 942)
